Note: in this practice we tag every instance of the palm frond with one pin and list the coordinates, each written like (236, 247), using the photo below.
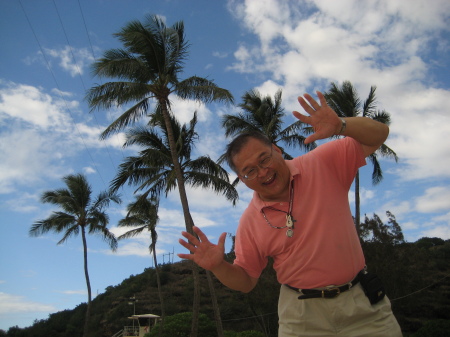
(202, 90)
(377, 173)
(369, 106)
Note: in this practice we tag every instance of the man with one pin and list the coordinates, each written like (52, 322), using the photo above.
(300, 216)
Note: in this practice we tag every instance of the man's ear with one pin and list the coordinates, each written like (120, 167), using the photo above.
(276, 148)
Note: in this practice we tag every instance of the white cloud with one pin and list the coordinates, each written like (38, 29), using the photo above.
(40, 136)
(435, 199)
(384, 43)
(184, 110)
(133, 247)
(72, 60)
(28, 104)
(10, 304)
(72, 292)
(89, 170)
(219, 54)
(442, 232)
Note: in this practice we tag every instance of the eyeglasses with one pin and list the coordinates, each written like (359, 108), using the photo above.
(265, 163)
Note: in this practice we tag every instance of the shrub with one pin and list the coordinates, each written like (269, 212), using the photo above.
(179, 325)
(434, 328)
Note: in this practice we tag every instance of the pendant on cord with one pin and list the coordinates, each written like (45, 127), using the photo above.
(290, 226)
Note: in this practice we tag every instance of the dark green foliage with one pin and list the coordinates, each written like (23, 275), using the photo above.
(434, 328)
(416, 276)
(251, 333)
(429, 242)
(179, 325)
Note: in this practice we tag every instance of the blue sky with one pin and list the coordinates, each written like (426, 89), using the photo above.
(47, 132)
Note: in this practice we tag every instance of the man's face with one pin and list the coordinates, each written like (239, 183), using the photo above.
(271, 183)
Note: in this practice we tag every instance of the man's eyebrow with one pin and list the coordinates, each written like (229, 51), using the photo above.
(261, 156)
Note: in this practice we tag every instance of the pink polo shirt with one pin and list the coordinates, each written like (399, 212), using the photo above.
(325, 249)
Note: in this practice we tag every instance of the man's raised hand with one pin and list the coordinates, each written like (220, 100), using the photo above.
(204, 253)
(322, 118)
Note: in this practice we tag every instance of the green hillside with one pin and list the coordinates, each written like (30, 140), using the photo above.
(416, 276)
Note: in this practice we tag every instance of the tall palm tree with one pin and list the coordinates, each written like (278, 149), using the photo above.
(147, 69)
(79, 214)
(345, 101)
(152, 171)
(143, 215)
(265, 114)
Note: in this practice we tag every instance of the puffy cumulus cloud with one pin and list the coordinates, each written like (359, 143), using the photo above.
(28, 104)
(442, 232)
(305, 45)
(435, 199)
(10, 304)
(418, 134)
(131, 247)
(39, 135)
(72, 60)
(31, 157)
(184, 110)
(401, 209)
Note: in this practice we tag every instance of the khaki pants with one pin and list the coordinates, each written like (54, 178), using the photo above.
(348, 315)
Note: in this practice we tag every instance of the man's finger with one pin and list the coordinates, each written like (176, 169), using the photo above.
(323, 101)
(301, 117)
(200, 234)
(191, 238)
(186, 245)
(312, 101)
(222, 238)
(186, 256)
(305, 105)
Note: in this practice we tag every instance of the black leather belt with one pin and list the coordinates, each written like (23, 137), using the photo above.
(329, 292)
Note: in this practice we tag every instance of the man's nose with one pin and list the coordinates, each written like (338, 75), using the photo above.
(262, 171)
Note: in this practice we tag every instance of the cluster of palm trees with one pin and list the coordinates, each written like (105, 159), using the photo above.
(147, 71)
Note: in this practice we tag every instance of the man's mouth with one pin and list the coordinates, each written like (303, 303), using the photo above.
(269, 180)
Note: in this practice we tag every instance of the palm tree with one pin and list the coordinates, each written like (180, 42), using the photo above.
(265, 114)
(147, 69)
(79, 214)
(152, 171)
(143, 215)
(346, 102)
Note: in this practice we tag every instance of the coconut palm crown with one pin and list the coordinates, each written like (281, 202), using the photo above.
(264, 114)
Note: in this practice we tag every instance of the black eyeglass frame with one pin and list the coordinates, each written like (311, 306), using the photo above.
(264, 163)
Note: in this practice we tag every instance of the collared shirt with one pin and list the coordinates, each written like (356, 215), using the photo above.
(325, 248)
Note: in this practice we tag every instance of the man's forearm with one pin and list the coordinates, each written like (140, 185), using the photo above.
(370, 133)
(234, 277)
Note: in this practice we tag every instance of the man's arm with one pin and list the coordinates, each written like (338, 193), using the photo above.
(211, 257)
(326, 123)
(371, 134)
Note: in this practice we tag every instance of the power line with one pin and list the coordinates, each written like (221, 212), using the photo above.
(418, 291)
(94, 56)
(79, 70)
(60, 91)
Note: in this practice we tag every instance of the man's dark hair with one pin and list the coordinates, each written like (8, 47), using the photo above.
(237, 143)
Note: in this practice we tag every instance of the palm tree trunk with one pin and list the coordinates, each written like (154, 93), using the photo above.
(88, 284)
(215, 304)
(161, 299)
(185, 205)
(357, 205)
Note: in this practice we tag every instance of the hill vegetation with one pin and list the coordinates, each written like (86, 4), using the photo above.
(416, 276)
